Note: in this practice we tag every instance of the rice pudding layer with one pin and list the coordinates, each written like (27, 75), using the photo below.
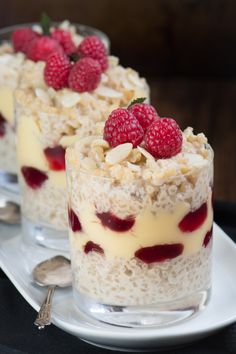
(48, 121)
(140, 223)
(10, 68)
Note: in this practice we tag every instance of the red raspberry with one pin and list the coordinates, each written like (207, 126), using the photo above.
(42, 47)
(22, 38)
(57, 70)
(85, 75)
(64, 38)
(93, 47)
(145, 113)
(163, 138)
(122, 127)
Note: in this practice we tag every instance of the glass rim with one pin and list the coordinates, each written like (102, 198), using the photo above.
(80, 27)
(166, 180)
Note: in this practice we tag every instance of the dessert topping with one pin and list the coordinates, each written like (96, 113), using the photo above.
(65, 39)
(144, 113)
(22, 38)
(122, 127)
(163, 138)
(57, 70)
(42, 47)
(94, 48)
(85, 75)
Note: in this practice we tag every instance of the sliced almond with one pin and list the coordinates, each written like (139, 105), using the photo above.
(108, 92)
(100, 142)
(69, 100)
(133, 167)
(42, 95)
(68, 140)
(145, 153)
(119, 153)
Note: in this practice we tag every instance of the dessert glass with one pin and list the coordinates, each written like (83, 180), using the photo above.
(10, 68)
(47, 122)
(140, 232)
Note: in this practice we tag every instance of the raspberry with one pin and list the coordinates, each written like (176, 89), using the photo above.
(93, 47)
(85, 75)
(145, 113)
(163, 138)
(33, 176)
(122, 127)
(64, 38)
(40, 48)
(22, 38)
(57, 70)
(3, 123)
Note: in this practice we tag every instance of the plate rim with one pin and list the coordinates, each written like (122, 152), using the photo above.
(80, 330)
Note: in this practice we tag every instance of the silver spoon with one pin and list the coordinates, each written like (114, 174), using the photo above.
(53, 272)
(9, 212)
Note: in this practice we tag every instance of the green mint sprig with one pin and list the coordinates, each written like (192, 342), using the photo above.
(137, 100)
(45, 24)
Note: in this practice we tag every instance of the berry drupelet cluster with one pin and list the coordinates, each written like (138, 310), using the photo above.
(67, 65)
(140, 124)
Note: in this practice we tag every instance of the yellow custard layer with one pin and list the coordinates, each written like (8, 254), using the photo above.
(30, 151)
(148, 230)
(6, 104)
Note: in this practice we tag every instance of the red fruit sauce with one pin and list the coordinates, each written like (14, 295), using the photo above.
(159, 253)
(194, 219)
(90, 246)
(114, 223)
(2, 126)
(208, 237)
(33, 177)
(55, 157)
(74, 221)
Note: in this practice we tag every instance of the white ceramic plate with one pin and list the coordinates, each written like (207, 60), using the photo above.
(220, 312)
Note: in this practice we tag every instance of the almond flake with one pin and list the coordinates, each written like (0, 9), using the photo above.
(100, 142)
(133, 167)
(42, 95)
(108, 92)
(68, 140)
(119, 153)
(69, 100)
(145, 153)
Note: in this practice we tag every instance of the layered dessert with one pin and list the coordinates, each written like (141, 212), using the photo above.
(76, 94)
(10, 68)
(140, 211)
(17, 56)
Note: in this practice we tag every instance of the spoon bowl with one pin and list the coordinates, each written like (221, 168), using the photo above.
(52, 272)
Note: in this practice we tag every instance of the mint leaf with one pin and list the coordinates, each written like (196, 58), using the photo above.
(45, 24)
(137, 100)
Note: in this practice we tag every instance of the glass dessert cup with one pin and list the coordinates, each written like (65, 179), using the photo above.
(10, 78)
(48, 121)
(140, 256)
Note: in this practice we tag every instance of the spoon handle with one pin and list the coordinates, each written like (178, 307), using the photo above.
(44, 316)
